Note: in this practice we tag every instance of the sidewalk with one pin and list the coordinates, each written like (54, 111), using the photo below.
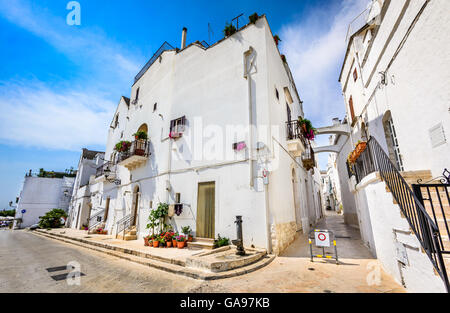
(358, 272)
(195, 263)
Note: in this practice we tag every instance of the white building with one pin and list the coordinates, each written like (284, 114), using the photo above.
(216, 120)
(81, 203)
(40, 195)
(395, 80)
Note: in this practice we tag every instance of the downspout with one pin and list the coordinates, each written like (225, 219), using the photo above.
(247, 76)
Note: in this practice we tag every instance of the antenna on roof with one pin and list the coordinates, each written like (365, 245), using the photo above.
(210, 31)
(237, 20)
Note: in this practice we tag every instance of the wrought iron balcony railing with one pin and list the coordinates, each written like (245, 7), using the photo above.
(106, 169)
(294, 131)
(138, 147)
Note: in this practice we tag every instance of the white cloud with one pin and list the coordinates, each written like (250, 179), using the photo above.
(73, 113)
(315, 48)
(31, 114)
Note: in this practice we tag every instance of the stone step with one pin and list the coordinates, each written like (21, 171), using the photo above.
(206, 240)
(201, 245)
(161, 265)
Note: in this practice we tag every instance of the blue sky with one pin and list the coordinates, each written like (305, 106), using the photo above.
(60, 84)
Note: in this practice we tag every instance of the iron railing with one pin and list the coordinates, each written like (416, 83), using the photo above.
(123, 224)
(106, 169)
(164, 47)
(373, 159)
(96, 219)
(294, 131)
(138, 147)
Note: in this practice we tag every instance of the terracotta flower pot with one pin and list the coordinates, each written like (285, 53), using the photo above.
(174, 243)
(190, 238)
(180, 244)
(169, 244)
(146, 243)
(361, 147)
(155, 244)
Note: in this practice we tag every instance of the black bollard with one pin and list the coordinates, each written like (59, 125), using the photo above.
(239, 243)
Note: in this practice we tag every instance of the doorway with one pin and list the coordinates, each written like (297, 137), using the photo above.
(206, 210)
(105, 217)
(296, 193)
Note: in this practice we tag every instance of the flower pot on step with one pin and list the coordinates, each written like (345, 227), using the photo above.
(174, 243)
(169, 244)
(146, 243)
(155, 244)
(181, 244)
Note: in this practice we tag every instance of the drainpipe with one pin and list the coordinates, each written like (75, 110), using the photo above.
(247, 76)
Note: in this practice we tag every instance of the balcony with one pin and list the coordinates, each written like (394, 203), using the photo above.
(296, 142)
(136, 156)
(106, 172)
(308, 158)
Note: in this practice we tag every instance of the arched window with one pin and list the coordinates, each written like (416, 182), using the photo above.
(143, 128)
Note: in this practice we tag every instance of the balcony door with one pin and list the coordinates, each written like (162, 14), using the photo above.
(206, 210)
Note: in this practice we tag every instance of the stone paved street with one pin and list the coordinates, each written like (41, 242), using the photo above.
(24, 258)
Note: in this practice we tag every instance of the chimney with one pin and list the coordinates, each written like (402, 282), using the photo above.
(183, 38)
(336, 121)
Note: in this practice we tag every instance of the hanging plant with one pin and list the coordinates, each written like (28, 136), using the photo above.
(307, 129)
(229, 30)
(283, 58)
(123, 146)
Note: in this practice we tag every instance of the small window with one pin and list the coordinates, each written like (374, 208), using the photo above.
(155, 107)
(277, 94)
(352, 110)
(355, 75)
(151, 204)
(178, 125)
(177, 198)
(289, 114)
(137, 94)
(116, 122)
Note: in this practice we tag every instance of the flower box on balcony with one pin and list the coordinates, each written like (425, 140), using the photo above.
(175, 135)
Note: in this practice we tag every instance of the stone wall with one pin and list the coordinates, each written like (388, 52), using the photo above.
(282, 236)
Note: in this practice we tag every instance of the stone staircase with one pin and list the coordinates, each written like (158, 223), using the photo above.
(201, 243)
(130, 234)
(411, 178)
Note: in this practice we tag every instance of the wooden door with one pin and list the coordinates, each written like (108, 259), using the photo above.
(206, 210)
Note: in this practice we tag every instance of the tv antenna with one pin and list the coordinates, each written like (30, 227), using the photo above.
(210, 31)
(237, 20)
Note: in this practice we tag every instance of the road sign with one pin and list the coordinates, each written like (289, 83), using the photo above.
(24, 211)
(322, 239)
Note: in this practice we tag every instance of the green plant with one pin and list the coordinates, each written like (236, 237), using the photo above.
(8, 213)
(308, 130)
(123, 146)
(181, 238)
(186, 230)
(221, 242)
(153, 219)
(141, 135)
(253, 18)
(52, 219)
(277, 39)
(229, 30)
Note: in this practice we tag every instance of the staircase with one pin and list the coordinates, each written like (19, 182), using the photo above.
(124, 229)
(426, 209)
(130, 234)
(201, 243)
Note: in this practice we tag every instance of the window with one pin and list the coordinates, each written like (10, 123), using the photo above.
(177, 198)
(116, 121)
(352, 110)
(289, 114)
(155, 107)
(137, 94)
(277, 94)
(178, 125)
(355, 75)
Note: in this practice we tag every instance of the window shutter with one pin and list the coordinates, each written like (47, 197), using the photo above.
(352, 110)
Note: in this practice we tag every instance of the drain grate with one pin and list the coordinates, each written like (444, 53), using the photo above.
(64, 276)
(59, 268)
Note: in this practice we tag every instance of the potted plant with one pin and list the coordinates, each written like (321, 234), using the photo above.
(156, 242)
(253, 18)
(162, 242)
(186, 230)
(140, 135)
(174, 239)
(221, 242)
(308, 130)
(229, 30)
(277, 39)
(146, 241)
(123, 146)
(181, 241)
(360, 147)
(283, 58)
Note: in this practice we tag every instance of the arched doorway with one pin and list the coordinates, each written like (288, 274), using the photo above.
(143, 128)
(134, 212)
